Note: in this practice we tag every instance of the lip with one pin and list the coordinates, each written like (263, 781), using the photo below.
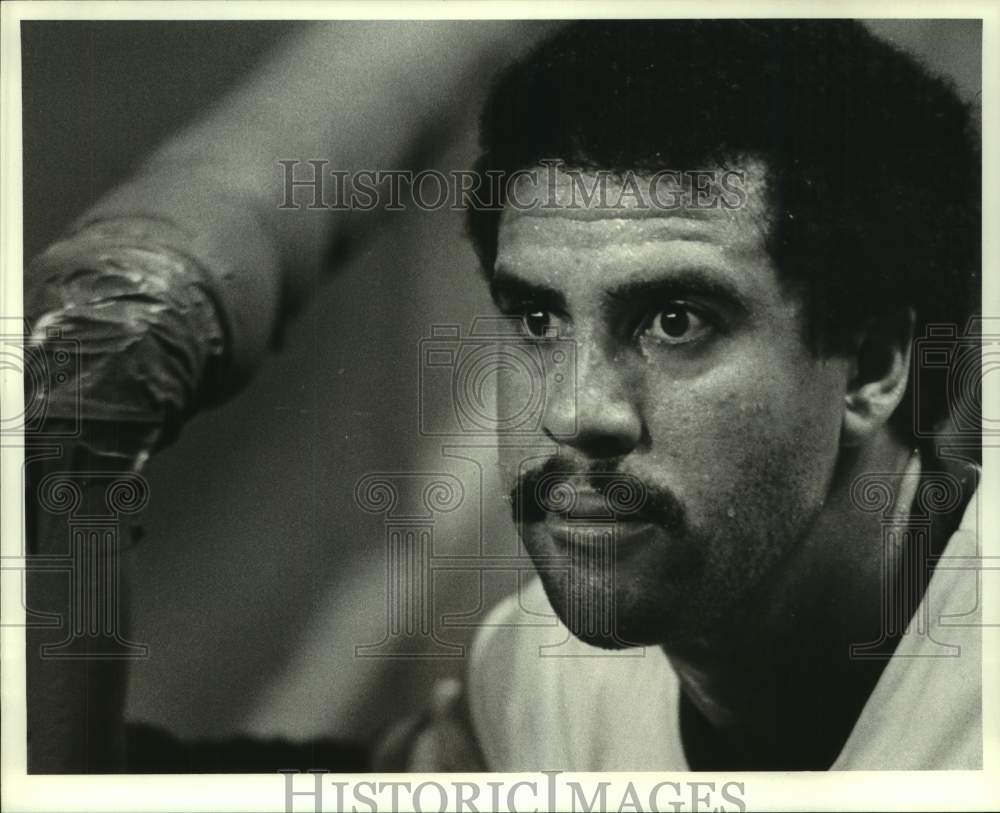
(585, 534)
(588, 504)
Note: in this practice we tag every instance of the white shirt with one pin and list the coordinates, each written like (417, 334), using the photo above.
(579, 708)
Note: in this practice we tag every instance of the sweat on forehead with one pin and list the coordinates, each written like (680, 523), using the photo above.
(554, 240)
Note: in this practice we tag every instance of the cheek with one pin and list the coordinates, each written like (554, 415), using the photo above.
(748, 439)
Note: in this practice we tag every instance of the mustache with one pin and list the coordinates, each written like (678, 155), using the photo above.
(554, 488)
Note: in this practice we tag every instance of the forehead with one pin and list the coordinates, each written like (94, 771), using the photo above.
(552, 228)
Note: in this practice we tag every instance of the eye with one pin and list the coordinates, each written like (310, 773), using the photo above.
(677, 323)
(538, 323)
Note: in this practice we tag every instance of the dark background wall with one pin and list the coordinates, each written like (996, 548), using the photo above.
(259, 574)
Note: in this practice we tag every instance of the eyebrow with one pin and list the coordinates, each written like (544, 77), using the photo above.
(505, 285)
(688, 281)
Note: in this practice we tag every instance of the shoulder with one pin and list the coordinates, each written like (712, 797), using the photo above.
(926, 710)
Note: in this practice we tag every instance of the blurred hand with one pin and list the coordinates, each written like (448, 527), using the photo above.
(438, 740)
(135, 319)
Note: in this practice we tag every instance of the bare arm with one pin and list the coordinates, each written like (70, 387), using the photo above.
(356, 94)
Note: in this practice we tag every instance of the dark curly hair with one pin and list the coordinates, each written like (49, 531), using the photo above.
(873, 162)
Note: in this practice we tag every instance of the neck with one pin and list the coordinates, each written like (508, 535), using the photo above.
(778, 688)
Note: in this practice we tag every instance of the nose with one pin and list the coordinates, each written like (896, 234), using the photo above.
(595, 413)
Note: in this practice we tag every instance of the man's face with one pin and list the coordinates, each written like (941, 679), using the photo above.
(692, 382)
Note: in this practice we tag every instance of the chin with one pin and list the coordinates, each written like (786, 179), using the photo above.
(602, 618)
(650, 597)
(601, 613)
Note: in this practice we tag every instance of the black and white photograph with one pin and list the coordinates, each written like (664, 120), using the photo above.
(499, 407)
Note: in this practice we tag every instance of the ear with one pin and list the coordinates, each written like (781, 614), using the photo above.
(879, 371)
